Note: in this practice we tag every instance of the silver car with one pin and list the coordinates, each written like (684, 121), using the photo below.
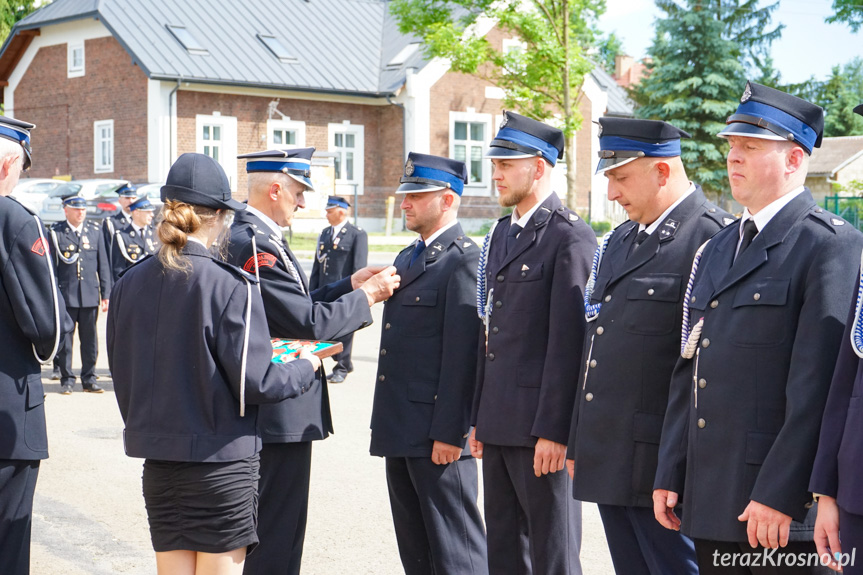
(32, 191)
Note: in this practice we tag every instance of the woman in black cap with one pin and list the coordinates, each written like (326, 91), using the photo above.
(188, 347)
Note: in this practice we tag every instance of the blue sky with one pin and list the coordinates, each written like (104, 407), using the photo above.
(808, 46)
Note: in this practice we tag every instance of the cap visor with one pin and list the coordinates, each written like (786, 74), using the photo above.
(749, 131)
(415, 188)
(305, 181)
(606, 164)
(495, 152)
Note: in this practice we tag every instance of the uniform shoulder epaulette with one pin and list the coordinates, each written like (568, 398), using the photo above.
(239, 272)
(93, 225)
(568, 215)
(465, 244)
(57, 225)
(719, 216)
(829, 220)
(620, 225)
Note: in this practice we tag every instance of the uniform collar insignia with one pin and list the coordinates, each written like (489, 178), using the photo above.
(524, 267)
(668, 229)
(727, 221)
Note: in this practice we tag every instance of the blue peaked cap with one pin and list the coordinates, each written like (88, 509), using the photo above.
(142, 204)
(622, 140)
(337, 202)
(774, 115)
(425, 173)
(75, 201)
(295, 163)
(522, 137)
(18, 132)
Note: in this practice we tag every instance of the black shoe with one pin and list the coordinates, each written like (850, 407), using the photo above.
(66, 390)
(336, 378)
(55, 375)
(93, 388)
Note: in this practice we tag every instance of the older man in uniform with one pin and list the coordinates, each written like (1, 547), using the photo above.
(766, 306)
(532, 275)
(277, 181)
(84, 278)
(343, 249)
(633, 307)
(136, 240)
(426, 379)
(33, 320)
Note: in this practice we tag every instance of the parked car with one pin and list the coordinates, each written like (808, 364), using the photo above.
(32, 191)
(98, 193)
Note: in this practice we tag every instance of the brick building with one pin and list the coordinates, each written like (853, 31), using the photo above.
(120, 88)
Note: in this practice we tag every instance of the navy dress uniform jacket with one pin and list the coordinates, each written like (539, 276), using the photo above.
(33, 321)
(526, 378)
(617, 420)
(327, 313)
(744, 414)
(836, 472)
(427, 364)
(83, 272)
(337, 258)
(183, 402)
(110, 225)
(130, 246)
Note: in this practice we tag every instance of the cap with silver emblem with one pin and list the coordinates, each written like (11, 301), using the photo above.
(623, 140)
(522, 137)
(295, 163)
(425, 173)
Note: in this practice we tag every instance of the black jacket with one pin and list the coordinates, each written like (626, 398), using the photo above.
(427, 365)
(327, 313)
(337, 258)
(744, 414)
(527, 375)
(33, 321)
(81, 262)
(197, 359)
(617, 420)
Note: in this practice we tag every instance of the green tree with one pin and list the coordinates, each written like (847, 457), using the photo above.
(838, 95)
(542, 79)
(609, 48)
(849, 12)
(694, 82)
(748, 25)
(11, 11)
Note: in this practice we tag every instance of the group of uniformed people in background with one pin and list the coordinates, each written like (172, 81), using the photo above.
(696, 374)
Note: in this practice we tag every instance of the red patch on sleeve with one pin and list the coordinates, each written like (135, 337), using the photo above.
(265, 260)
(39, 247)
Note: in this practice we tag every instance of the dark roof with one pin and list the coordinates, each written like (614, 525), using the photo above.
(619, 103)
(340, 46)
(834, 154)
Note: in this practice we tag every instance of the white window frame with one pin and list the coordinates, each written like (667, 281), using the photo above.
(99, 166)
(483, 187)
(286, 125)
(228, 147)
(346, 187)
(73, 71)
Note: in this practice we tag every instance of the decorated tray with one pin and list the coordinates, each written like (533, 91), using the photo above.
(285, 350)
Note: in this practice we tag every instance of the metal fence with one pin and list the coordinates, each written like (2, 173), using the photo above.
(847, 208)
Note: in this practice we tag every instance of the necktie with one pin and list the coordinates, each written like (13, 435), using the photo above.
(512, 236)
(750, 230)
(418, 249)
(639, 239)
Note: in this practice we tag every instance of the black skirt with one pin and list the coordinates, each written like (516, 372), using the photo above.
(206, 507)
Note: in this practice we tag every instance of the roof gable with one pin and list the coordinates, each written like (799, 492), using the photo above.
(834, 154)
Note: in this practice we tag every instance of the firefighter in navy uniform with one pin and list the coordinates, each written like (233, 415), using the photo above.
(33, 320)
(426, 378)
(84, 278)
(633, 306)
(766, 304)
(532, 277)
(136, 240)
(126, 196)
(277, 182)
(343, 249)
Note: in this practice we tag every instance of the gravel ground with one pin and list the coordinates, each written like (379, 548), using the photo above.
(89, 516)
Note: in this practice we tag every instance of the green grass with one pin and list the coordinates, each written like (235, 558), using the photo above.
(308, 242)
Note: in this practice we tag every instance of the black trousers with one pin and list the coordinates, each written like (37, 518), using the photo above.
(851, 534)
(283, 507)
(533, 523)
(639, 545)
(343, 359)
(438, 526)
(85, 318)
(738, 558)
(17, 486)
